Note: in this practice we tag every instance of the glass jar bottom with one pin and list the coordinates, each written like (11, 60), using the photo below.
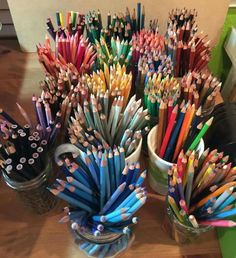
(112, 249)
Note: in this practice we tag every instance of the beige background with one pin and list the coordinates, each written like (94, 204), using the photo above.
(29, 16)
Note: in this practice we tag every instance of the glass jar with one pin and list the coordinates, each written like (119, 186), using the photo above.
(108, 244)
(34, 193)
(181, 233)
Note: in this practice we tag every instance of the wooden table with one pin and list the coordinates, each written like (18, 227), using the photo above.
(25, 235)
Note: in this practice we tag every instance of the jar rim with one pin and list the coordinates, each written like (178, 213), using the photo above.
(202, 228)
(22, 186)
(98, 240)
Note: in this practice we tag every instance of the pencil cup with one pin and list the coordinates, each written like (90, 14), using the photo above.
(134, 157)
(181, 233)
(33, 193)
(158, 167)
(106, 245)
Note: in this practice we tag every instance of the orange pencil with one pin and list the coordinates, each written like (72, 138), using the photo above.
(189, 123)
(160, 126)
(182, 132)
(168, 131)
(214, 194)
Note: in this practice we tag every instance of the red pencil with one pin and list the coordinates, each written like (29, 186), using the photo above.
(168, 131)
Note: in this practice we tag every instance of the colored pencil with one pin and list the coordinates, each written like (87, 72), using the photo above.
(209, 197)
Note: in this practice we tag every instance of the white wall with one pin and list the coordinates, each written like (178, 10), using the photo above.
(29, 16)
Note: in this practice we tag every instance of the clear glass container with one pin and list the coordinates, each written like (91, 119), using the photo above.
(108, 244)
(181, 233)
(34, 193)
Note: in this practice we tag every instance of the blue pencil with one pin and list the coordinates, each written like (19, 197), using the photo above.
(130, 174)
(138, 16)
(220, 200)
(70, 200)
(92, 171)
(141, 178)
(130, 197)
(227, 202)
(78, 174)
(113, 198)
(135, 173)
(103, 171)
(119, 218)
(137, 205)
(174, 136)
(117, 166)
(77, 184)
(111, 167)
(224, 214)
(124, 175)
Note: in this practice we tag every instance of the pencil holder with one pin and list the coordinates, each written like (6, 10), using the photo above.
(182, 234)
(158, 167)
(106, 245)
(33, 193)
(134, 157)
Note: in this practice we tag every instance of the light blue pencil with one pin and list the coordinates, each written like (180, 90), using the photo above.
(130, 197)
(115, 213)
(227, 202)
(104, 251)
(220, 200)
(137, 205)
(113, 198)
(119, 218)
(94, 249)
(225, 214)
(141, 178)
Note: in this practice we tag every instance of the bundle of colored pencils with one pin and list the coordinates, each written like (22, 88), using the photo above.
(201, 190)
(102, 123)
(119, 52)
(189, 51)
(120, 25)
(74, 50)
(200, 89)
(102, 191)
(23, 149)
(157, 90)
(75, 23)
(147, 42)
(115, 80)
(179, 127)
(182, 22)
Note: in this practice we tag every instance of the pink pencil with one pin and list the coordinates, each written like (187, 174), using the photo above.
(218, 223)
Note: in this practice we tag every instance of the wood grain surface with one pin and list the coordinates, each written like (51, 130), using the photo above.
(25, 235)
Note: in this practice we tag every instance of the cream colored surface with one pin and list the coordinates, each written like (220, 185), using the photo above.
(29, 16)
